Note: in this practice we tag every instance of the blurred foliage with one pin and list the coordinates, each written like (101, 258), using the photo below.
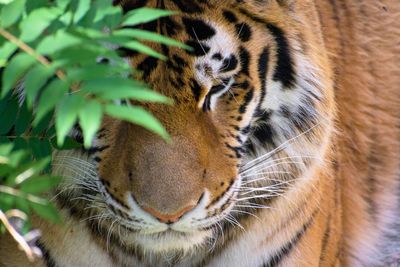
(51, 80)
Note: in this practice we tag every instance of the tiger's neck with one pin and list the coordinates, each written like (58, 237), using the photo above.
(360, 44)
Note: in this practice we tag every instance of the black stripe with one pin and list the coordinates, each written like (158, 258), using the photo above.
(217, 88)
(263, 71)
(217, 56)
(229, 64)
(244, 56)
(126, 52)
(179, 61)
(288, 247)
(199, 49)
(252, 16)
(196, 89)
(214, 90)
(177, 64)
(264, 131)
(198, 29)
(187, 6)
(95, 149)
(129, 5)
(229, 16)
(325, 241)
(237, 150)
(247, 98)
(171, 26)
(284, 69)
(373, 173)
(47, 258)
(149, 26)
(243, 85)
(147, 66)
(338, 25)
(244, 31)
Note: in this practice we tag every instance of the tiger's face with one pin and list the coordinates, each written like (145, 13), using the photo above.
(252, 113)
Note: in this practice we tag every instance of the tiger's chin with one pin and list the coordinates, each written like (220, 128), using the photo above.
(173, 241)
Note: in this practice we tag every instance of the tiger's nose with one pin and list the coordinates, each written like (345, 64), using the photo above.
(168, 218)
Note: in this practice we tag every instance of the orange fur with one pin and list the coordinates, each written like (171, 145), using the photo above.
(345, 196)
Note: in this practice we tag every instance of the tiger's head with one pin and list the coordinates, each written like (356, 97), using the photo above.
(252, 116)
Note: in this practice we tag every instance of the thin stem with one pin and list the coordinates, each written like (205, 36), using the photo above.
(29, 50)
(19, 238)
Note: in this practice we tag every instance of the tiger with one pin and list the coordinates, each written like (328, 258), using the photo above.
(285, 145)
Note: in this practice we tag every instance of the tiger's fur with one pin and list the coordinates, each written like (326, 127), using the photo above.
(286, 141)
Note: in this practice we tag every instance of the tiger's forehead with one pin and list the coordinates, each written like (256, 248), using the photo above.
(221, 47)
(233, 45)
(214, 56)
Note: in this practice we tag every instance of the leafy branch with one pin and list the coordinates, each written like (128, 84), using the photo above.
(23, 46)
(51, 80)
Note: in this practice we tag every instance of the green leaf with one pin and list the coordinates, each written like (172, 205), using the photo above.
(6, 51)
(19, 64)
(40, 184)
(43, 125)
(5, 2)
(47, 211)
(8, 115)
(17, 157)
(69, 144)
(87, 20)
(5, 169)
(93, 71)
(7, 201)
(120, 88)
(135, 45)
(101, 85)
(66, 18)
(20, 144)
(143, 15)
(27, 170)
(63, 3)
(51, 131)
(66, 115)
(150, 36)
(22, 204)
(34, 81)
(138, 116)
(88, 33)
(49, 98)
(32, 5)
(90, 120)
(83, 55)
(82, 8)
(12, 12)
(140, 94)
(56, 42)
(107, 15)
(5, 149)
(37, 21)
(23, 120)
(41, 148)
(27, 225)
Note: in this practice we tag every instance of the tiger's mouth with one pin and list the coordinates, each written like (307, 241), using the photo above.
(171, 234)
(194, 230)
(172, 240)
